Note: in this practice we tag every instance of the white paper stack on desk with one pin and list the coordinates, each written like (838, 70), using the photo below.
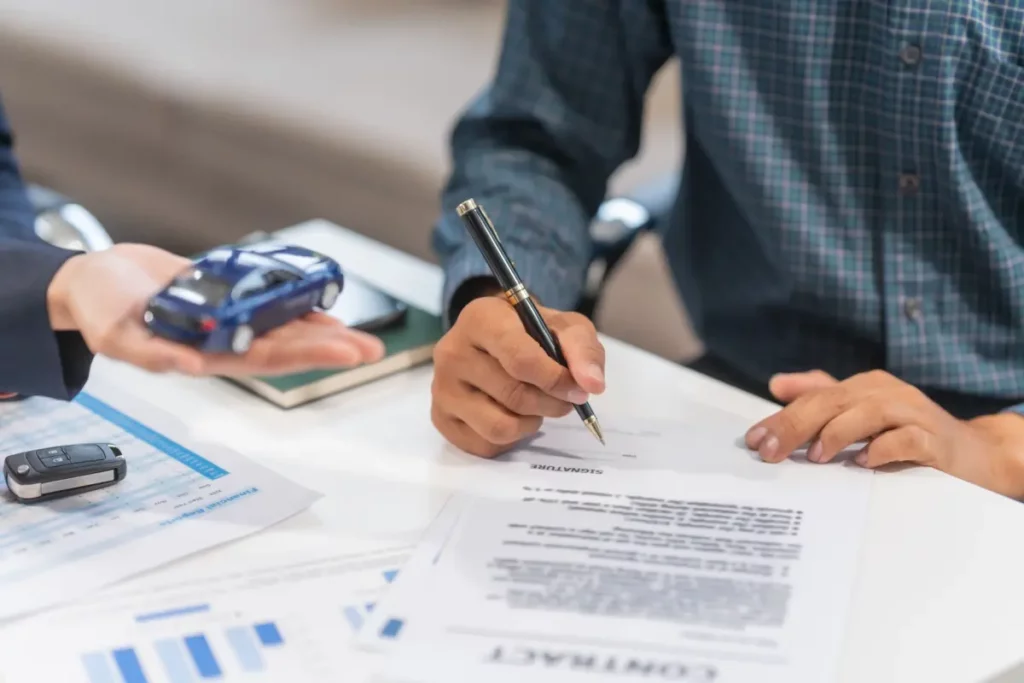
(726, 570)
(670, 554)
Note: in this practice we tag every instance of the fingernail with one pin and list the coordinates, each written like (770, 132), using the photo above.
(769, 447)
(862, 458)
(577, 396)
(755, 436)
(814, 454)
(594, 372)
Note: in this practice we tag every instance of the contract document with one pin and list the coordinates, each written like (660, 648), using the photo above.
(604, 574)
(703, 440)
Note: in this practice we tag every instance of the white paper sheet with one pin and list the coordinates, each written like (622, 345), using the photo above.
(176, 499)
(735, 572)
(289, 623)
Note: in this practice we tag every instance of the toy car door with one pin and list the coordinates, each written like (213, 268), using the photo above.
(295, 297)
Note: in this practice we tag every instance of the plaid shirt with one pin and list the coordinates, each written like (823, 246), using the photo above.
(853, 188)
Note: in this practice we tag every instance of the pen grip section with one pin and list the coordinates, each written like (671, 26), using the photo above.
(535, 327)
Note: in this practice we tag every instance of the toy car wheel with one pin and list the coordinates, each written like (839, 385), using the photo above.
(330, 295)
(241, 340)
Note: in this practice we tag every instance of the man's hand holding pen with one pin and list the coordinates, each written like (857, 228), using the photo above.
(494, 384)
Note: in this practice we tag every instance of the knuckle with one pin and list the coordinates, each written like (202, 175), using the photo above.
(914, 440)
(913, 394)
(562, 409)
(519, 362)
(501, 430)
(578, 321)
(552, 381)
(517, 398)
(790, 422)
(445, 351)
(837, 399)
(876, 376)
(878, 412)
(472, 311)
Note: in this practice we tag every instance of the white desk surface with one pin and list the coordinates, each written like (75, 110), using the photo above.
(940, 595)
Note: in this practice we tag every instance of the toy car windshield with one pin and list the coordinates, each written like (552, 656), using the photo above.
(199, 287)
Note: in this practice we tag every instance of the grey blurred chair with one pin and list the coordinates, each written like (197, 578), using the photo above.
(619, 221)
(65, 223)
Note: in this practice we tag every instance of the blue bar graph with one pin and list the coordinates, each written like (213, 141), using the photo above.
(202, 655)
(190, 658)
(172, 654)
(98, 668)
(354, 616)
(245, 648)
(167, 614)
(128, 662)
(268, 634)
(392, 628)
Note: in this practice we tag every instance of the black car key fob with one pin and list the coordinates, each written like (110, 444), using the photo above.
(48, 473)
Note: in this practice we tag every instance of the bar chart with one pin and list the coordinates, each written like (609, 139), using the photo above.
(188, 658)
(290, 623)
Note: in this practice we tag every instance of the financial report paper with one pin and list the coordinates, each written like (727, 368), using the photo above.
(290, 622)
(721, 575)
(174, 501)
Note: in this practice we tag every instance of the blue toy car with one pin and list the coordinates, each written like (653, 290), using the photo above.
(232, 294)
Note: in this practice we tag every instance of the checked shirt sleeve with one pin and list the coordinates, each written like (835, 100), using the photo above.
(536, 148)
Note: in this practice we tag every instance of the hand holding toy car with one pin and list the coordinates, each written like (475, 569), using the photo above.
(119, 297)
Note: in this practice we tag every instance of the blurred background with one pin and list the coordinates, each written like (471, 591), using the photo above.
(189, 123)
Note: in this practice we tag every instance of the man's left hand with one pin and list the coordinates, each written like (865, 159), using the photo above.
(898, 423)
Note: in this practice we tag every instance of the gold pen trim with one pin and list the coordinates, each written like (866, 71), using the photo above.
(465, 207)
(517, 294)
(594, 428)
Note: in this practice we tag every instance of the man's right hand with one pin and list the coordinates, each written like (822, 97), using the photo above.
(494, 385)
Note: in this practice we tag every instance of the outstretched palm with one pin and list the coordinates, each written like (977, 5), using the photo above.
(103, 295)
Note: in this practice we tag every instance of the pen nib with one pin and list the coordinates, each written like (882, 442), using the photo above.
(594, 428)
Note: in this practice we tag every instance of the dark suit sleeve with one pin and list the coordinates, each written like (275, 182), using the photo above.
(34, 360)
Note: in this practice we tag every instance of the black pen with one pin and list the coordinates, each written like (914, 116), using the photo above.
(483, 233)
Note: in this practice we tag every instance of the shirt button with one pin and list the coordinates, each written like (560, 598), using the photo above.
(910, 55)
(913, 310)
(909, 183)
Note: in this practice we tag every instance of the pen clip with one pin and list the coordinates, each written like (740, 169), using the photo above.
(489, 222)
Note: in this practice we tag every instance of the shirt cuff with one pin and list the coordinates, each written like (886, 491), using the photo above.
(36, 360)
(1019, 409)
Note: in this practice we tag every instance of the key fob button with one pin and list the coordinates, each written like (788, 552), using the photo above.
(85, 453)
(50, 452)
(24, 469)
(55, 460)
